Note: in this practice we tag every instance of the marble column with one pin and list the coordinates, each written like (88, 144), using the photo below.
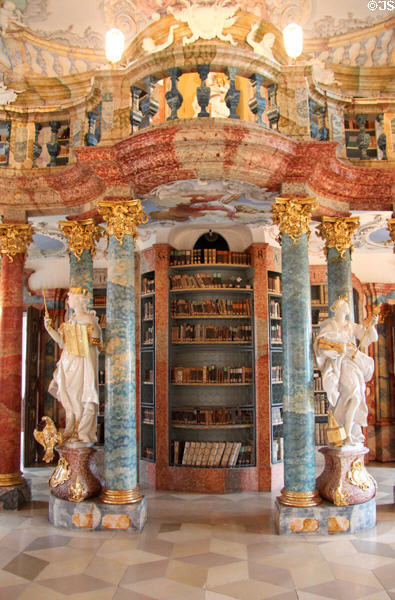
(14, 240)
(82, 236)
(337, 231)
(293, 216)
(120, 446)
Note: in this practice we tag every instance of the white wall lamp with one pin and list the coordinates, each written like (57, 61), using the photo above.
(115, 44)
(293, 40)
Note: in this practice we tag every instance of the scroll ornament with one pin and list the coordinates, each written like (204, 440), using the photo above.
(337, 232)
(293, 216)
(122, 218)
(82, 235)
(15, 238)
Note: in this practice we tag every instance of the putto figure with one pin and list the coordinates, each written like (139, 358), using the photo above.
(345, 369)
(75, 380)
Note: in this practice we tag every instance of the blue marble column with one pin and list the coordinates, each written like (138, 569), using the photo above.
(293, 217)
(337, 231)
(120, 456)
(81, 271)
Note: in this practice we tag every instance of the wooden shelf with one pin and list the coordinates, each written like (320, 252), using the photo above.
(211, 265)
(209, 343)
(205, 316)
(241, 426)
(215, 384)
(211, 289)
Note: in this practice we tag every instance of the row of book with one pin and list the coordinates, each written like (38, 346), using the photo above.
(212, 416)
(102, 320)
(275, 309)
(147, 452)
(210, 306)
(149, 376)
(274, 283)
(277, 415)
(148, 336)
(188, 281)
(278, 449)
(321, 404)
(320, 433)
(276, 333)
(147, 309)
(208, 256)
(317, 381)
(211, 374)
(147, 285)
(147, 416)
(201, 333)
(319, 294)
(212, 454)
(99, 301)
(277, 374)
(319, 315)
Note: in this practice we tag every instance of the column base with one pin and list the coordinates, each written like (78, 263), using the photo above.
(121, 496)
(13, 497)
(324, 519)
(302, 499)
(345, 480)
(94, 515)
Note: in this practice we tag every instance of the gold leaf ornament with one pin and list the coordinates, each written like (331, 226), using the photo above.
(15, 238)
(122, 218)
(82, 235)
(293, 216)
(337, 232)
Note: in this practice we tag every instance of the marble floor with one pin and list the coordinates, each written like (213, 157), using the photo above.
(196, 547)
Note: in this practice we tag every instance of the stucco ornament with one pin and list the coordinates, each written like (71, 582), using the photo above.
(150, 46)
(264, 47)
(207, 22)
(7, 95)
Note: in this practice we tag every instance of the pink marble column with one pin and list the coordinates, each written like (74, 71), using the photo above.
(11, 307)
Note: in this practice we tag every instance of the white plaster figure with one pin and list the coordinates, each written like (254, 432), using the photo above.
(150, 46)
(219, 85)
(75, 380)
(321, 74)
(345, 369)
(7, 95)
(9, 13)
(207, 21)
(264, 47)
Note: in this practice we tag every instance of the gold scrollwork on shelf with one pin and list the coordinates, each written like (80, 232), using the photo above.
(78, 491)
(82, 235)
(337, 232)
(122, 218)
(391, 229)
(293, 216)
(15, 238)
(340, 497)
(359, 476)
(61, 474)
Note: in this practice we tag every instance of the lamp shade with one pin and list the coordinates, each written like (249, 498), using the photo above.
(115, 44)
(293, 40)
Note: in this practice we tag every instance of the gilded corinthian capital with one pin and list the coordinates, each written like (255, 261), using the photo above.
(337, 232)
(82, 235)
(391, 228)
(122, 218)
(15, 238)
(293, 216)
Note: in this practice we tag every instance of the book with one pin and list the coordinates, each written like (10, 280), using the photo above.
(218, 456)
(185, 455)
(213, 452)
(234, 454)
(176, 451)
(226, 454)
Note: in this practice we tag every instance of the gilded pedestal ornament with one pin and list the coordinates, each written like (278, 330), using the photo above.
(122, 218)
(293, 216)
(337, 232)
(82, 235)
(15, 238)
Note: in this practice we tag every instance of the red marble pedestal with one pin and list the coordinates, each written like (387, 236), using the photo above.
(73, 479)
(345, 480)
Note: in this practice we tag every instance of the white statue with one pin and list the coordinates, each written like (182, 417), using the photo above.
(7, 95)
(207, 21)
(150, 46)
(75, 380)
(321, 74)
(9, 14)
(264, 47)
(219, 85)
(345, 369)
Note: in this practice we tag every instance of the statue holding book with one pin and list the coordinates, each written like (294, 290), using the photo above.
(345, 369)
(75, 380)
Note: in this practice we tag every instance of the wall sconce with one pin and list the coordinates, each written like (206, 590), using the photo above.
(293, 40)
(115, 44)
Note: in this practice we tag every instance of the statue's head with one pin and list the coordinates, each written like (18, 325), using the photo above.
(78, 296)
(341, 304)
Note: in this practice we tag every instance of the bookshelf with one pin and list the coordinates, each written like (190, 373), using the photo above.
(352, 131)
(276, 365)
(147, 368)
(319, 312)
(99, 305)
(211, 360)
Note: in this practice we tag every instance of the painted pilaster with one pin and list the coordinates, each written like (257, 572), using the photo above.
(120, 448)
(337, 231)
(14, 240)
(293, 216)
(82, 236)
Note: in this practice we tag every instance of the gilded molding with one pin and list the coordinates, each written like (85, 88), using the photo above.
(337, 232)
(121, 496)
(78, 491)
(340, 497)
(7, 479)
(122, 218)
(304, 499)
(293, 216)
(15, 238)
(82, 235)
(61, 474)
(391, 229)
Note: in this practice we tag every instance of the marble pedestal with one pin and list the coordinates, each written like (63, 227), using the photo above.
(73, 479)
(95, 515)
(13, 497)
(345, 480)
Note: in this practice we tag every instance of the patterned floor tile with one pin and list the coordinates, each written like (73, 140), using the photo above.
(250, 589)
(341, 590)
(374, 548)
(12, 592)
(46, 542)
(142, 572)
(72, 585)
(386, 575)
(26, 566)
(270, 574)
(167, 589)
